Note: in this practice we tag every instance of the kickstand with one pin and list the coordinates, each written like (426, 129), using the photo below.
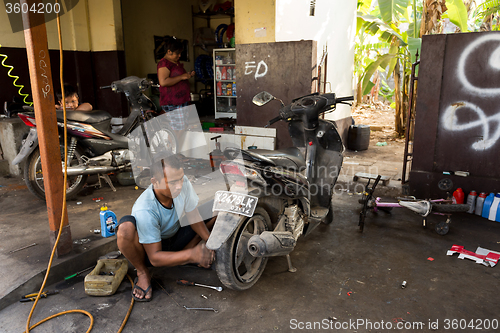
(107, 179)
(290, 267)
(368, 195)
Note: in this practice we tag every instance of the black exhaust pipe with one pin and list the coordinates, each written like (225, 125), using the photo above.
(271, 244)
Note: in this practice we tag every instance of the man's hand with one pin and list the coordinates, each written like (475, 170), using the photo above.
(202, 256)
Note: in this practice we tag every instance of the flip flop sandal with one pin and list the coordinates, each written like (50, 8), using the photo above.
(144, 299)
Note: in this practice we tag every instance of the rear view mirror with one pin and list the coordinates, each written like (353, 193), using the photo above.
(262, 98)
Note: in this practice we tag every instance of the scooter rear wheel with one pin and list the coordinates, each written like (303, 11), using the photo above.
(236, 267)
(33, 175)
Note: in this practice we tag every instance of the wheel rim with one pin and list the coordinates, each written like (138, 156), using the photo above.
(73, 182)
(247, 267)
(163, 140)
(442, 228)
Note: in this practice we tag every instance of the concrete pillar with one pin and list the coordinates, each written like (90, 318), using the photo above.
(12, 131)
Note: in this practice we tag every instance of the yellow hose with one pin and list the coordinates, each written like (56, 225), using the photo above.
(62, 219)
(15, 77)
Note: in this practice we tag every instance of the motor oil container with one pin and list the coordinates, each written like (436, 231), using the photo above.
(487, 205)
(358, 137)
(479, 203)
(458, 196)
(471, 201)
(108, 222)
(494, 208)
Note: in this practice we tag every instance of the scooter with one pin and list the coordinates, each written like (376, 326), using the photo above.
(275, 196)
(93, 148)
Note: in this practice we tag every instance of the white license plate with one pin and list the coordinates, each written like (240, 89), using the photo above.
(237, 203)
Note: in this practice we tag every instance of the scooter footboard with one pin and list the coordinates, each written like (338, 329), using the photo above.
(224, 227)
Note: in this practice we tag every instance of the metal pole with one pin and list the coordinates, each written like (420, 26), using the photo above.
(35, 35)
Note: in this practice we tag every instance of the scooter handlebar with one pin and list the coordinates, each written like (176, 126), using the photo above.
(272, 121)
(345, 99)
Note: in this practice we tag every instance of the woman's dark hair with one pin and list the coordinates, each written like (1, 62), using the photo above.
(174, 45)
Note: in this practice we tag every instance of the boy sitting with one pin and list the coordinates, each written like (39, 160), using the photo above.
(71, 100)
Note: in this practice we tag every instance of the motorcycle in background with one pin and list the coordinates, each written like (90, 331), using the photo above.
(276, 196)
(92, 147)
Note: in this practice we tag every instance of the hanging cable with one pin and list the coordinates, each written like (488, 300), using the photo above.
(64, 212)
(15, 77)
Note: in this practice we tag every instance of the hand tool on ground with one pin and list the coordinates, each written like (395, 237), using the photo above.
(201, 309)
(189, 283)
(32, 297)
(78, 273)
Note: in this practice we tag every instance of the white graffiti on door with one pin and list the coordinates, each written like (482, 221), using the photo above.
(261, 68)
(494, 63)
(450, 122)
(449, 118)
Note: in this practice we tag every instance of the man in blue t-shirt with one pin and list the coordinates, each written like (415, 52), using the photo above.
(152, 235)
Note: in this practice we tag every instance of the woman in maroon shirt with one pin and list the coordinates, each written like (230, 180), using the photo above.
(174, 86)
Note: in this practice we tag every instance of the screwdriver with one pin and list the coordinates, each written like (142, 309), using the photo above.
(189, 283)
(77, 273)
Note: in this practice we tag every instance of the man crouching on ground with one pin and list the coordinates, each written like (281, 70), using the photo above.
(152, 234)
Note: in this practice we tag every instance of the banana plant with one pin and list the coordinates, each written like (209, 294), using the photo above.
(396, 23)
(486, 13)
(393, 23)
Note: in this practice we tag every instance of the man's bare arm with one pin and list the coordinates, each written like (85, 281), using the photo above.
(158, 258)
(197, 224)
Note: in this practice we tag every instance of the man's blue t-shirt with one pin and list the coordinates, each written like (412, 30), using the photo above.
(156, 222)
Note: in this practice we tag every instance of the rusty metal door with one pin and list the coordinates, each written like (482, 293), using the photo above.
(457, 127)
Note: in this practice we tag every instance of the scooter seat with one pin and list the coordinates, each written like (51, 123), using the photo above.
(89, 117)
(290, 158)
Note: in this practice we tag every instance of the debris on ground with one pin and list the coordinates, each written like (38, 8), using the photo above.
(481, 256)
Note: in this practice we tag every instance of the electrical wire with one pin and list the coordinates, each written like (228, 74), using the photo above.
(64, 213)
(15, 77)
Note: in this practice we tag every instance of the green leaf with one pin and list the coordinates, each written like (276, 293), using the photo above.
(375, 26)
(457, 13)
(414, 45)
(370, 70)
(393, 105)
(391, 10)
(392, 50)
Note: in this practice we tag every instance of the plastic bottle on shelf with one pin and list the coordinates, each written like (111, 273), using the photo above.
(494, 208)
(487, 205)
(218, 73)
(458, 196)
(219, 88)
(108, 222)
(234, 89)
(223, 73)
(471, 201)
(479, 203)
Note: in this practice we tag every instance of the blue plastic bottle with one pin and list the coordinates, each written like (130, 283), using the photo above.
(495, 208)
(108, 222)
(487, 205)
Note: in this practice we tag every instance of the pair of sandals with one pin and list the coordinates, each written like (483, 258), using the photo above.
(145, 292)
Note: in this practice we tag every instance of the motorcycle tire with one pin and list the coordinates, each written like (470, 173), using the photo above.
(236, 267)
(449, 208)
(33, 175)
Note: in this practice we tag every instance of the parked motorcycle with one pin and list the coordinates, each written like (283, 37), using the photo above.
(275, 196)
(92, 147)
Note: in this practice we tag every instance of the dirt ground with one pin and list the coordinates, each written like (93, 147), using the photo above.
(380, 116)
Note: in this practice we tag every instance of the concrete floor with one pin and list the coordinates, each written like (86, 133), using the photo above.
(343, 277)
